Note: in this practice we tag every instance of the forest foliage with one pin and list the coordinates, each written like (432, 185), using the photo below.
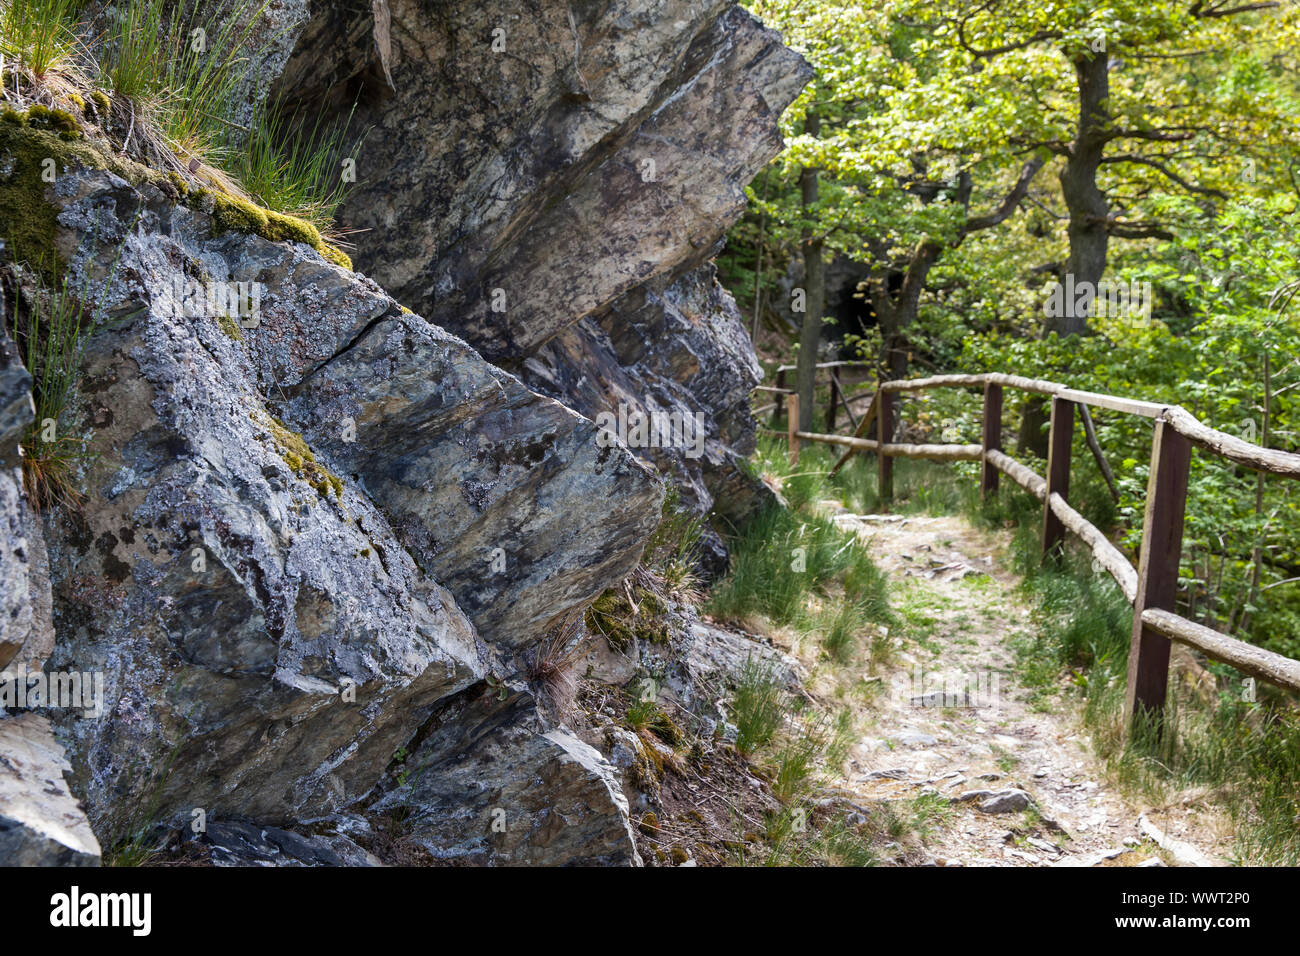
(974, 157)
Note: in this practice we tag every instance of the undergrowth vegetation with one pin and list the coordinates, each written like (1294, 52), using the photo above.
(169, 83)
(1241, 755)
(793, 567)
(49, 329)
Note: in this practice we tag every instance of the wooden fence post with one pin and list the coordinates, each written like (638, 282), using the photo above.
(885, 435)
(831, 408)
(992, 438)
(792, 428)
(1058, 472)
(1162, 549)
(780, 397)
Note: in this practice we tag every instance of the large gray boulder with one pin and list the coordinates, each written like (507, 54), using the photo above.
(268, 639)
(489, 784)
(26, 629)
(41, 823)
(502, 495)
(266, 642)
(534, 179)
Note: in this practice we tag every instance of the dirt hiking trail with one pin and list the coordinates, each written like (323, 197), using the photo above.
(952, 721)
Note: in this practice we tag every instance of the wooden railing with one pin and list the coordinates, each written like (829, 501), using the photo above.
(1151, 587)
(839, 397)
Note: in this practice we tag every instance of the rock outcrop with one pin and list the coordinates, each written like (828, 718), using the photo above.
(40, 822)
(490, 785)
(618, 366)
(504, 496)
(331, 529)
(265, 640)
(549, 184)
(26, 630)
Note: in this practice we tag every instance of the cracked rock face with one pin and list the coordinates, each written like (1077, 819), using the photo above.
(267, 607)
(307, 540)
(489, 785)
(40, 822)
(266, 642)
(618, 362)
(546, 182)
(26, 634)
(504, 496)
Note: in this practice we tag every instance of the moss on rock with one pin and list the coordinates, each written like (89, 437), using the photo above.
(56, 120)
(233, 214)
(282, 228)
(335, 255)
(230, 327)
(293, 448)
(27, 152)
(30, 141)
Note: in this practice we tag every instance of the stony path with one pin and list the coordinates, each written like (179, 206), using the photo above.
(951, 720)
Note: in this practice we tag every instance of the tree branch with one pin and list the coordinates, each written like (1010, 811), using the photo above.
(1012, 200)
(1204, 12)
(1138, 231)
(1006, 47)
(1168, 173)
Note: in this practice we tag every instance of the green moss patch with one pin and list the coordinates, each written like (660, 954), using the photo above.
(26, 215)
(232, 214)
(103, 105)
(298, 456)
(55, 120)
(28, 140)
(615, 618)
(230, 327)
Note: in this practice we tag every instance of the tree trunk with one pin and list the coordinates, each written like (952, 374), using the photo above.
(814, 281)
(1088, 230)
(1087, 205)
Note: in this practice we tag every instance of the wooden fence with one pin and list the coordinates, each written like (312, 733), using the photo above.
(1151, 587)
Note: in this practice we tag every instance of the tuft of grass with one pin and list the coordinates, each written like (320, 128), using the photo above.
(38, 35)
(181, 65)
(552, 665)
(135, 49)
(758, 706)
(293, 169)
(780, 558)
(50, 332)
(672, 553)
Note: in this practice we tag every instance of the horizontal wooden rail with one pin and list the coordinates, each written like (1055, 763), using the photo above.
(1025, 477)
(1242, 452)
(1108, 556)
(1257, 457)
(1151, 587)
(897, 450)
(1247, 658)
